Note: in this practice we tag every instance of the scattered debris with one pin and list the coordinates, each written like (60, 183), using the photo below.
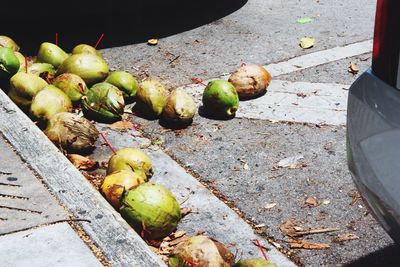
(353, 68)
(122, 125)
(291, 229)
(307, 42)
(185, 211)
(302, 95)
(82, 163)
(260, 225)
(307, 245)
(270, 206)
(290, 162)
(326, 202)
(311, 202)
(355, 196)
(345, 237)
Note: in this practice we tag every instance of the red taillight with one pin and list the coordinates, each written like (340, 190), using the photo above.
(385, 62)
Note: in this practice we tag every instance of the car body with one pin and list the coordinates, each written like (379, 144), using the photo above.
(373, 122)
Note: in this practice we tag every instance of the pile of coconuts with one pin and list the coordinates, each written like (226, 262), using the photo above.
(53, 85)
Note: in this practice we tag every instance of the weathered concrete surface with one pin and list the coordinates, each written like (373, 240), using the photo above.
(240, 157)
(209, 214)
(53, 245)
(24, 201)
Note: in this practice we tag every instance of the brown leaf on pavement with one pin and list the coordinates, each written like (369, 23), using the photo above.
(307, 245)
(121, 125)
(82, 163)
(311, 202)
(353, 68)
(345, 237)
(288, 227)
(291, 229)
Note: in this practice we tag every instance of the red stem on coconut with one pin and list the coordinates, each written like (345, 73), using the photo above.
(107, 143)
(99, 40)
(262, 250)
(192, 263)
(198, 81)
(57, 38)
(26, 64)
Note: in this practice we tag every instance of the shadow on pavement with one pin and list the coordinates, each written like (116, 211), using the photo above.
(388, 256)
(123, 22)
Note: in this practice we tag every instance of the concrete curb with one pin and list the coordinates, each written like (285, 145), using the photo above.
(121, 245)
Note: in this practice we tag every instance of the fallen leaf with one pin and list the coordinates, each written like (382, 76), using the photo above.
(82, 163)
(185, 211)
(311, 202)
(121, 125)
(270, 206)
(152, 41)
(307, 42)
(353, 68)
(287, 228)
(345, 237)
(355, 196)
(304, 20)
(246, 166)
(326, 202)
(290, 162)
(307, 245)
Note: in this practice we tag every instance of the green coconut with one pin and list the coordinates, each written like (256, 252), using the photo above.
(203, 251)
(132, 159)
(73, 85)
(6, 41)
(220, 99)
(125, 82)
(103, 102)
(180, 107)
(9, 63)
(23, 87)
(71, 132)
(21, 60)
(39, 69)
(151, 98)
(116, 183)
(52, 54)
(256, 262)
(48, 102)
(91, 68)
(86, 49)
(152, 210)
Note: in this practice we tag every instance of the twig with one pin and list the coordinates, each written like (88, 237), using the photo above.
(108, 143)
(198, 81)
(172, 61)
(314, 231)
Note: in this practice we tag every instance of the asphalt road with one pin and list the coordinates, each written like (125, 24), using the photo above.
(238, 158)
(265, 32)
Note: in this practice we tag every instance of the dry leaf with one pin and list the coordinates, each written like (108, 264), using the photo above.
(270, 206)
(307, 245)
(287, 227)
(353, 68)
(326, 202)
(121, 125)
(82, 163)
(345, 237)
(307, 42)
(152, 41)
(185, 211)
(311, 202)
(290, 162)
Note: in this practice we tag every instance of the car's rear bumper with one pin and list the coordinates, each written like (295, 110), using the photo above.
(373, 145)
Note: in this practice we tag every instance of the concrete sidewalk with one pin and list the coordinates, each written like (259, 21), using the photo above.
(34, 229)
